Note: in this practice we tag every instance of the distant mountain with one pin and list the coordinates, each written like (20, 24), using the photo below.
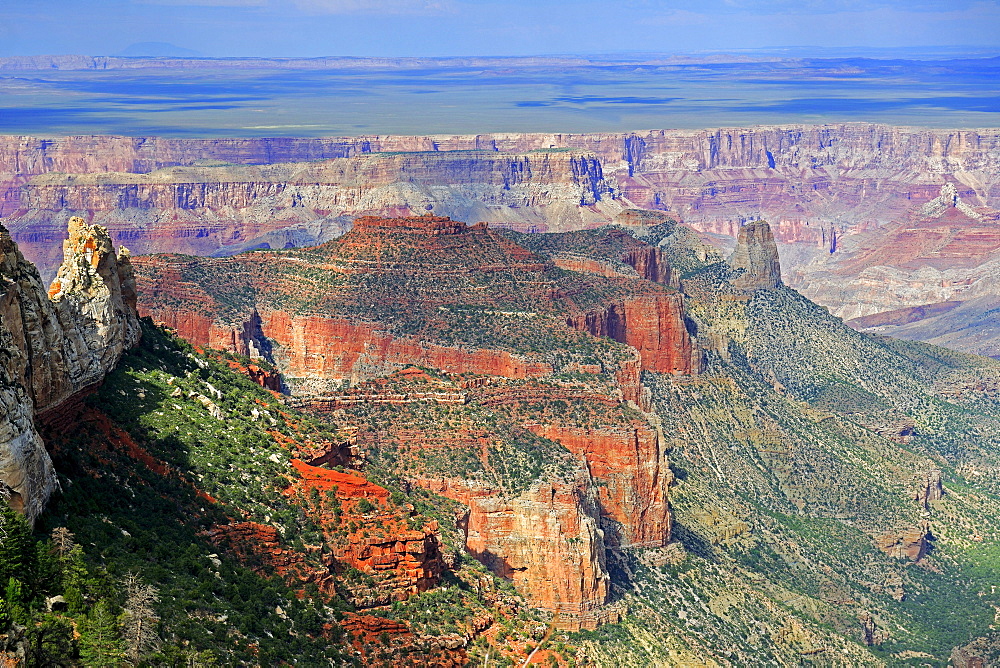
(157, 50)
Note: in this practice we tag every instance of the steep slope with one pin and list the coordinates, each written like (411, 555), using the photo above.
(433, 292)
(811, 494)
(57, 346)
(260, 547)
(969, 325)
(810, 462)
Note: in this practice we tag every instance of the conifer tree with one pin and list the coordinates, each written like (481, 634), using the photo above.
(16, 546)
(50, 642)
(100, 638)
(63, 541)
(76, 579)
(14, 594)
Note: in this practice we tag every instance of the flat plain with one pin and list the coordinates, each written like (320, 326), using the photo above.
(263, 98)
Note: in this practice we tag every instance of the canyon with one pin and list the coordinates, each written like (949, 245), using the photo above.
(617, 499)
(615, 420)
(839, 198)
(813, 183)
(621, 425)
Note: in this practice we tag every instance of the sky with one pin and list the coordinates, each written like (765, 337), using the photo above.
(400, 28)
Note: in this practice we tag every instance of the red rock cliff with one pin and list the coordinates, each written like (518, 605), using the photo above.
(634, 477)
(652, 324)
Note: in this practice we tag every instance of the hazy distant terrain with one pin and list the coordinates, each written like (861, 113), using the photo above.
(350, 96)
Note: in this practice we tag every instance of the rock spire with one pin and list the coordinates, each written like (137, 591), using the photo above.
(755, 260)
(55, 345)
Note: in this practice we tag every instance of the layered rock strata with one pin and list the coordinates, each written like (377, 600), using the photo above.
(654, 325)
(630, 463)
(756, 258)
(474, 268)
(551, 536)
(546, 540)
(500, 320)
(815, 183)
(55, 346)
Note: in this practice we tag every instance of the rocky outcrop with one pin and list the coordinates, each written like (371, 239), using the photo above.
(912, 543)
(548, 542)
(634, 475)
(551, 550)
(655, 325)
(405, 561)
(756, 258)
(56, 346)
(95, 299)
(981, 652)
(651, 264)
(315, 350)
(930, 489)
(552, 539)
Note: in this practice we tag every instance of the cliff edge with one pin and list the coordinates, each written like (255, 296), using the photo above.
(54, 345)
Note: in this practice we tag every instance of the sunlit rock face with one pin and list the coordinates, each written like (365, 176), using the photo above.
(756, 258)
(814, 183)
(55, 345)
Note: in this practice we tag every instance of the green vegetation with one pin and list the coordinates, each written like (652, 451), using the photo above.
(801, 457)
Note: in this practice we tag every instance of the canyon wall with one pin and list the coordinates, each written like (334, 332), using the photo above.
(226, 209)
(56, 345)
(630, 463)
(813, 183)
(655, 325)
(547, 541)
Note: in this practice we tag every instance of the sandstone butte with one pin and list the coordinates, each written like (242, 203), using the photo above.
(57, 345)
(323, 344)
(551, 539)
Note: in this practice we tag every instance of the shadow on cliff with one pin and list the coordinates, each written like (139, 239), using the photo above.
(693, 543)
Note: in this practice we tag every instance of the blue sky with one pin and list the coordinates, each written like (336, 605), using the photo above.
(221, 28)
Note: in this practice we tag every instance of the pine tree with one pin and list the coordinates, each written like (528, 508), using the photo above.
(100, 638)
(50, 642)
(76, 578)
(16, 546)
(140, 618)
(16, 599)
